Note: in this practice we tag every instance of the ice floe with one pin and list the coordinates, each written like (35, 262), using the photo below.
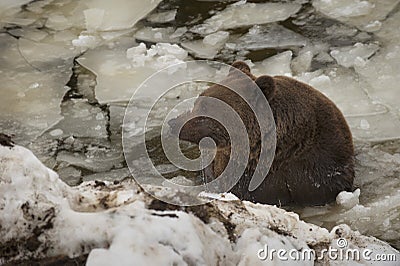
(208, 47)
(365, 15)
(31, 76)
(162, 17)
(155, 35)
(247, 14)
(275, 65)
(120, 70)
(354, 55)
(269, 36)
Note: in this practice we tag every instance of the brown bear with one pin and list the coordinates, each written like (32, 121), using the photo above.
(314, 156)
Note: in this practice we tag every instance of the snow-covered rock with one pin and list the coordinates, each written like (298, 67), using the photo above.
(41, 218)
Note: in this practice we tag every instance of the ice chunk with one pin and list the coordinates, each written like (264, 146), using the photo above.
(82, 119)
(155, 35)
(86, 41)
(302, 62)
(121, 69)
(112, 176)
(93, 18)
(354, 55)
(56, 132)
(343, 8)
(348, 91)
(382, 70)
(57, 22)
(209, 47)
(32, 73)
(96, 160)
(8, 8)
(216, 38)
(269, 36)
(163, 17)
(365, 15)
(39, 54)
(116, 15)
(348, 200)
(275, 65)
(247, 14)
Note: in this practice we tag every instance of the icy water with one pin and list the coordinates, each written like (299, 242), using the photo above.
(68, 69)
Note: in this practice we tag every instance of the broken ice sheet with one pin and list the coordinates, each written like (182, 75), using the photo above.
(365, 15)
(382, 70)
(208, 47)
(348, 91)
(47, 52)
(98, 15)
(27, 85)
(247, 14)
(302, 62)
(155, 35)
(275, 65)
(356, 55)
(343, 8)
(162, 17)
(9, 9)
(367, 119)
(98, 160)
(269, 36)
(121, 69)
(81, 119)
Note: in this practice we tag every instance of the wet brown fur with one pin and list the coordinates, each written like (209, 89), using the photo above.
(314, 157)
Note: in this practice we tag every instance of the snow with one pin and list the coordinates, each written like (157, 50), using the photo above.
(348, 200)
(246, 14)
(120, 223)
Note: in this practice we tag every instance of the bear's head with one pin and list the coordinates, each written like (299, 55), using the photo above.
(195, 127)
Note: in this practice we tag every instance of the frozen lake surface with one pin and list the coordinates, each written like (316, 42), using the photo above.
(68, 69)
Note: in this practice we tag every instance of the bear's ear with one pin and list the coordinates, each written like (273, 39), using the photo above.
(267, 85)
(242, 66)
